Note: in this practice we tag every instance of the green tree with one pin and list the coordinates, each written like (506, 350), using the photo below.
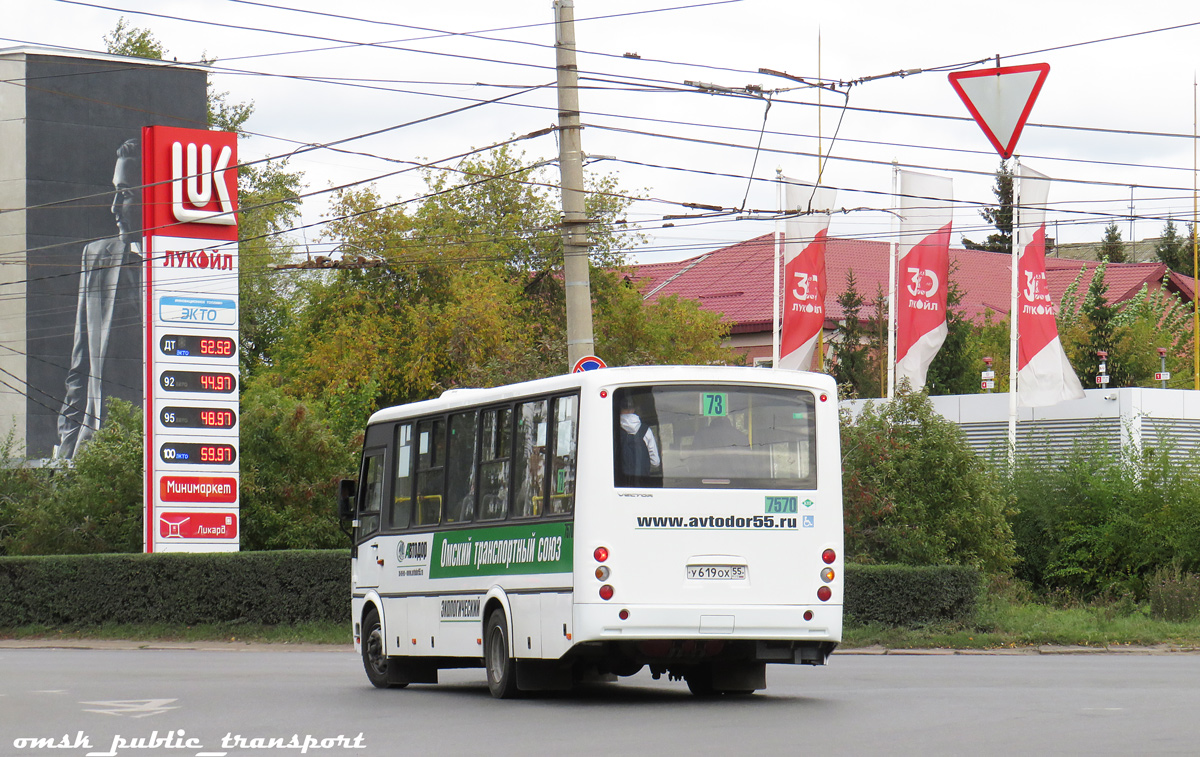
(851, 369)
(1131, 334)
(955, 368)
(292, 461)
(1174, 250)
(990, 339)
(1112, 249)
(1000, 216)
(1103, 335)
(916, 493)
(96, 504)
(126, 39)
(467, 291)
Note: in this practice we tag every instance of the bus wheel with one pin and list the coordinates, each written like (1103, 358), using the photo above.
(700, 681)
(501, 672)
(375, 662)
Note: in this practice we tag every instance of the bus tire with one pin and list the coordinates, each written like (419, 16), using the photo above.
(501, 670)
(700, 681)
(375, 662)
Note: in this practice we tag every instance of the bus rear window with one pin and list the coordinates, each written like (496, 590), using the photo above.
(714, 437)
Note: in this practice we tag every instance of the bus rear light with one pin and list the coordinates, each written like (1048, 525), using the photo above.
(623, 615)
(824, 397)
(601, 554)
(827, 575)
(606, 592)
(602, 573)
(829, 556)
(603, 394)
(808, 615)
(824, 593)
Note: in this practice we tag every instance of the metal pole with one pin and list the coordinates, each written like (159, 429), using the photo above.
(776, 259)
(892, 286)
(570, 162)
(1018, 240)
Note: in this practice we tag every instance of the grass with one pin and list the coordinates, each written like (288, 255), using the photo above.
(308, 633)
(1002, 622)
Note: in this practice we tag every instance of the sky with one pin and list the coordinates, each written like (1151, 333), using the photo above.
(1113, 124)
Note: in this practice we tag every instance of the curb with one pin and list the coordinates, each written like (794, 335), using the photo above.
(172, 646)
(1042, 649)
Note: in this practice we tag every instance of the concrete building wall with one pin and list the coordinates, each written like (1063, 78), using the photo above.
(12, 247)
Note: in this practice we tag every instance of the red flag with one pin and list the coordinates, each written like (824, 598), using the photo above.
(804, 274)
(1044, 375)
(924, 273)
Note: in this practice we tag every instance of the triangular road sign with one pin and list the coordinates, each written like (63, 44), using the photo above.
(1000, 100)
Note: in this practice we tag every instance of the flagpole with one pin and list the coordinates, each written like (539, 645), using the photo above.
(776, 255)
(1014, 316)
(820, 354)
(892, 253)
(1195, 242)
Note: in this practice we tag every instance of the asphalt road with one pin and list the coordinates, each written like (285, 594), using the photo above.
(234, 700)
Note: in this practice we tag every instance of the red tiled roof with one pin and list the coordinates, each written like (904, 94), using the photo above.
(736, 281)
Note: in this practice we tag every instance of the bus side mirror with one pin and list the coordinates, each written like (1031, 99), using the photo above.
(347, 489)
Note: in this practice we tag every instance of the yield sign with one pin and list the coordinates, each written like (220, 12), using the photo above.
(1000, 100)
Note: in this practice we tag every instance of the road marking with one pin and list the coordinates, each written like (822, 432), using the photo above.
(134, 708)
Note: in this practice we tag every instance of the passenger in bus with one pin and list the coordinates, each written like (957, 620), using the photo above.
(639, 449)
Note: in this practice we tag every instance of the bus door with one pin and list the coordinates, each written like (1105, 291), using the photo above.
(368, 566)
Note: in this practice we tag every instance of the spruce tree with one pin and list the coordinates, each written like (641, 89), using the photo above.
(1174, 250)
(1000, 216)
(1112, 248)
(851, 367)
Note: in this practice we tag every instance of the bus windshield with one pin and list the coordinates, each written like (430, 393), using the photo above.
(714, 437)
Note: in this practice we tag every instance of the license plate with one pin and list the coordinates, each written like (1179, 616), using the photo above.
(717, 572)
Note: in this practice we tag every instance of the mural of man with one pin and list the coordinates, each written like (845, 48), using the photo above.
(109, 294)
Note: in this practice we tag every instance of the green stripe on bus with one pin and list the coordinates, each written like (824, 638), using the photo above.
(535, 548)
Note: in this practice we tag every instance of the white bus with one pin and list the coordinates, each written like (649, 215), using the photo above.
(586, 526)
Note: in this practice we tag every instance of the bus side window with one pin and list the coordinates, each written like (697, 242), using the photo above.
(495, 450)
(401, 511)
(460, 469)
(431, 461)
(562, 464)
(530, 458)
(370, 494)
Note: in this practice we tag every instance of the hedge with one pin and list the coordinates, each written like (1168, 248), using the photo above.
(268, 588)
(295, 586)
(904, 595)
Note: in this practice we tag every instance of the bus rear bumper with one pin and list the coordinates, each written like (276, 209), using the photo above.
(596, 622)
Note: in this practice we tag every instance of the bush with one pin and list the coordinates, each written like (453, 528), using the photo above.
(1097, 519)
(92, 505)
(903, 595)
(915, 492)
(268, 588)
(1174, 595)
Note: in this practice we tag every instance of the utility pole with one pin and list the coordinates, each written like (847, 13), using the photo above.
(570, 164)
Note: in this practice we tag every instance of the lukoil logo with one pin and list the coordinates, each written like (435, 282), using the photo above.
(201, 179)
